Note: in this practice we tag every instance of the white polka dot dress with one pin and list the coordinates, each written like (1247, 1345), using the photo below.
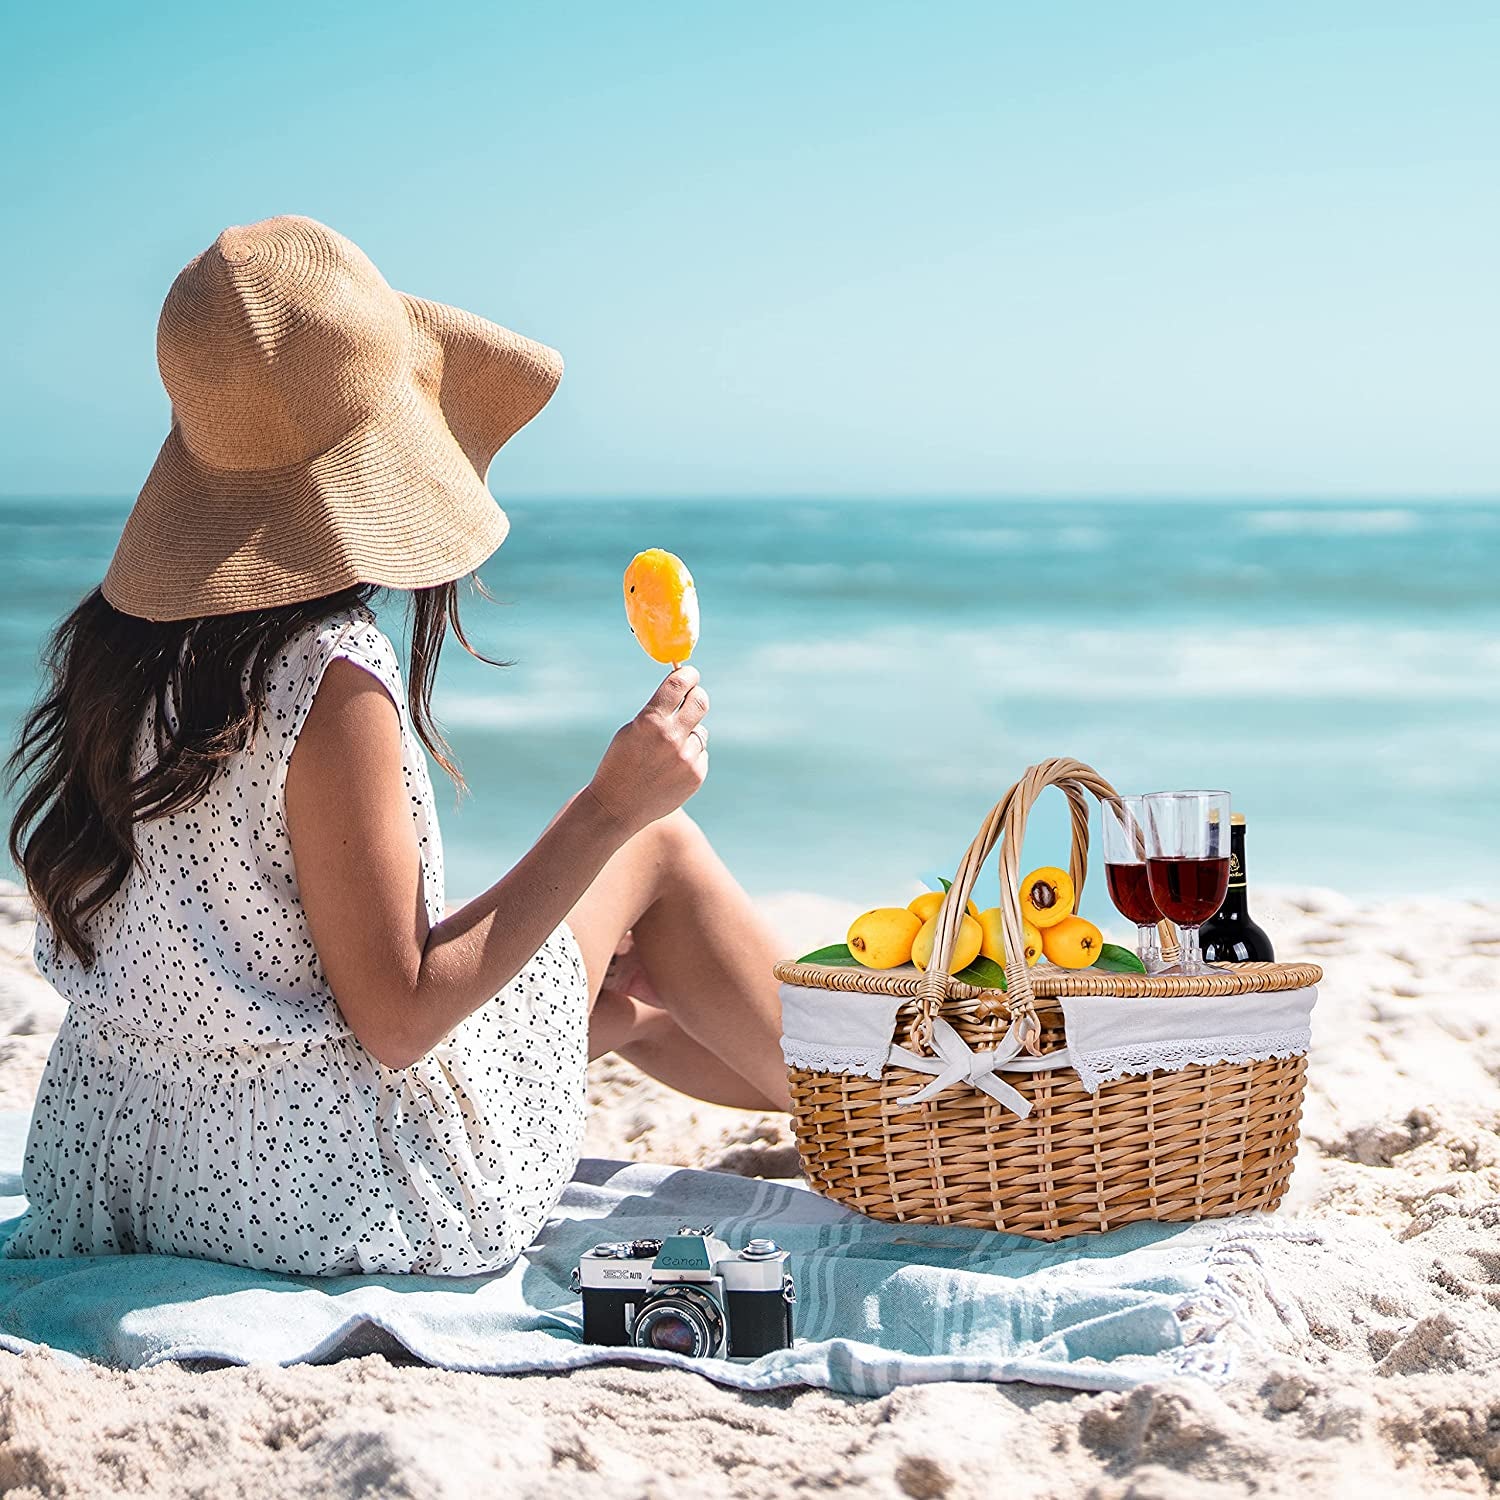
(205, 1097)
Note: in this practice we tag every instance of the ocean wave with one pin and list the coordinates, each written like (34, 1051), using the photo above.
(1316, 521)
(535, 699)
(1041, 538)
(988, 538)
(466, 711)
(1291, 662)
(794, 575)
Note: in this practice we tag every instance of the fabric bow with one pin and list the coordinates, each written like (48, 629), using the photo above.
(957, 1062)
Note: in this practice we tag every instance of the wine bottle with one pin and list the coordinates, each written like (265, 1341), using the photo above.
(1231, 935)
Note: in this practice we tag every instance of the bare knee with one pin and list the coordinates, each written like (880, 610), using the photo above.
(678, 828)
(675, 841)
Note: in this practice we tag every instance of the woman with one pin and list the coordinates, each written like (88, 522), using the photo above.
(279, 1050)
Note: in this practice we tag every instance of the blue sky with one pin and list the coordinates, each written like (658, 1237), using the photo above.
(807, 249)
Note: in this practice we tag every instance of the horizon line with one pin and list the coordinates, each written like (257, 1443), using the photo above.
(965, 497)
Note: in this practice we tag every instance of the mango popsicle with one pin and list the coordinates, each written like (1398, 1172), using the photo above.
(661, 604)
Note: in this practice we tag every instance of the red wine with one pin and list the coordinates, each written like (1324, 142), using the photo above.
(1130, 890)
(1188, 891)
(1230, 936)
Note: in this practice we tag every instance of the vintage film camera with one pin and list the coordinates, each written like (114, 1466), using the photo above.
(690, 1294)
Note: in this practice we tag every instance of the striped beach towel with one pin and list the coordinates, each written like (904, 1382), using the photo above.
(878, 1305)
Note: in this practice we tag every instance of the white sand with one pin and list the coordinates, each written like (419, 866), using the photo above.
(1377, 1372)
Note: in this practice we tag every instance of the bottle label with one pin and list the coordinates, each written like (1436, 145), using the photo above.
(1236, 873)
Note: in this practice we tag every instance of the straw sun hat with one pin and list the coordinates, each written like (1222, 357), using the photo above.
(326, 430)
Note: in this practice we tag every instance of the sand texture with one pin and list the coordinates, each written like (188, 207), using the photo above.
(1371, 1368)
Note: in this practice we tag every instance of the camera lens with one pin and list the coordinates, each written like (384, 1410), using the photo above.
(673, 1332)
(679, 1320)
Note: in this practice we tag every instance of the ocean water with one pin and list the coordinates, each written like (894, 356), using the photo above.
(882, 671)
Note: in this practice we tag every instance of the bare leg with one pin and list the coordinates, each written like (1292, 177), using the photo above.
(713, 1026)
(656, 1044)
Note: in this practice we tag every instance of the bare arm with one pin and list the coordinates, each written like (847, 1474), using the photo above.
(401, 985)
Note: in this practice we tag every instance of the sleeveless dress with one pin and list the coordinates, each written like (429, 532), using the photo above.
(205, 1097)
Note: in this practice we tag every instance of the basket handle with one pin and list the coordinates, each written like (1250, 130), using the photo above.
(1006, 825)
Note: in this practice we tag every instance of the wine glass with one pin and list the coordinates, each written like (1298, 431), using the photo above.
(1187, 865)
(1123, 823)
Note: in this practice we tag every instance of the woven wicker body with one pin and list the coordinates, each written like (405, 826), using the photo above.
(1195, 1143)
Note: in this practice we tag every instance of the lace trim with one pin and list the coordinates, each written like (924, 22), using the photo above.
(869, 1062)
(1106, 1066)
(1093, 1068)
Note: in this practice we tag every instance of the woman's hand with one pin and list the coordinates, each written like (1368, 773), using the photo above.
(659, 759)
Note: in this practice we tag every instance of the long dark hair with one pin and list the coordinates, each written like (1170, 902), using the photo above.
(73, 832)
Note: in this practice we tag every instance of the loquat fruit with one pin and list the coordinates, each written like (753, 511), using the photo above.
(882, 939)
(1072, 943)
(965, 949)
(993, 946)
(926, 905)
(1047, 896)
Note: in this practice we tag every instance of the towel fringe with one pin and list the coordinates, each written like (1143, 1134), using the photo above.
(1213, 1315)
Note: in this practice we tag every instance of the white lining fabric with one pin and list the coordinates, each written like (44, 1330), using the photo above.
(1109, 1036)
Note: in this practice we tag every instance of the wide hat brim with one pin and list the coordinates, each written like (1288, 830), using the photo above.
(400, 502)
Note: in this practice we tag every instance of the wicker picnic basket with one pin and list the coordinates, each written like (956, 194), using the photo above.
(1195, 1143)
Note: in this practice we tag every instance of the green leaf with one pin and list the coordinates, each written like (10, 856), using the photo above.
(946, 884)
(1113, 959)
(836, 955)
(983, 974)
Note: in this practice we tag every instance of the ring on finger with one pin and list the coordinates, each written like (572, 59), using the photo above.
(702, 733)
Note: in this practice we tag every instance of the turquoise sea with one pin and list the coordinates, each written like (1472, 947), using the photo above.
(881, 671)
